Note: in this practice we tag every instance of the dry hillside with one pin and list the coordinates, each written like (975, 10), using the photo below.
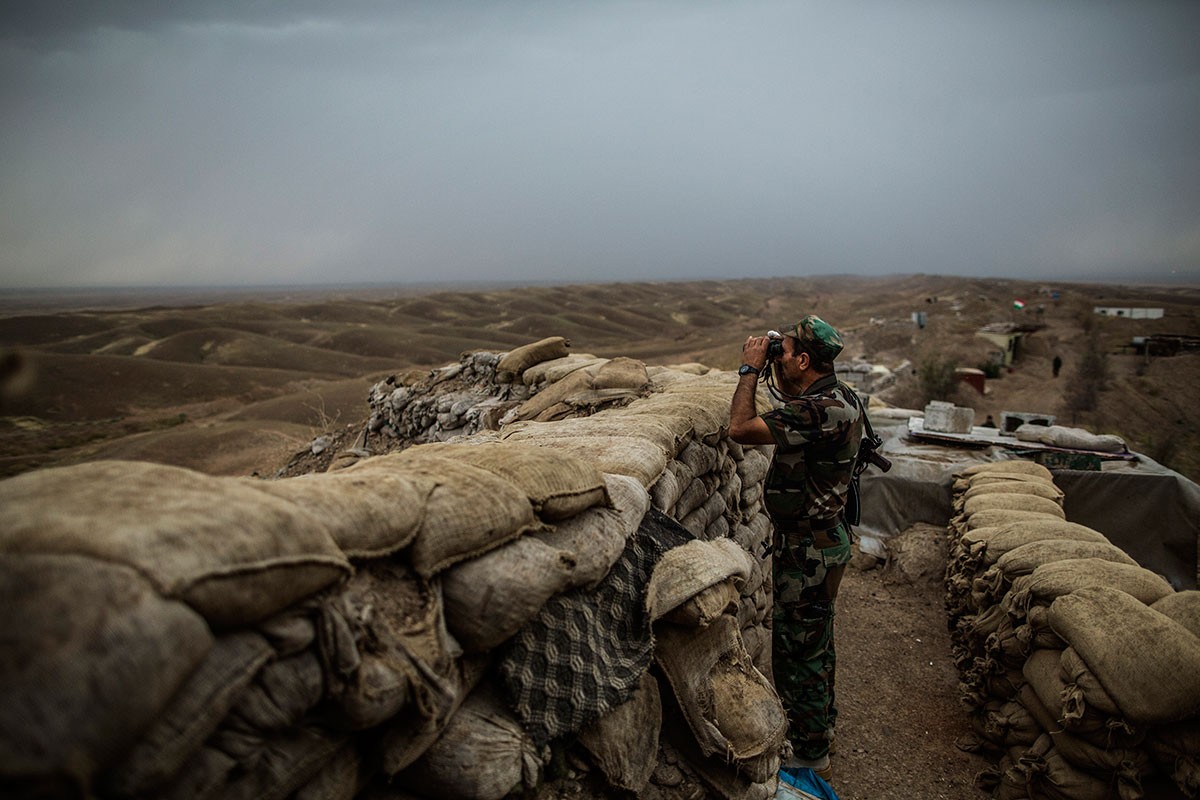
(238, 383)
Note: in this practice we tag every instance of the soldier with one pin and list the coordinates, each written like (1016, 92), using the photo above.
(816, 434)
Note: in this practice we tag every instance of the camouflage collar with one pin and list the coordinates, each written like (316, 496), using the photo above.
(821, 384)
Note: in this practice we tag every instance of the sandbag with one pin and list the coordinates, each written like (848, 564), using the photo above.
(193, 713)
(516, 361)
(989, 587)
(1059, 578)
(1125, 765)
(340, 778)
(596, 537)
(685, 571)
(1176, 750)
(370, 509)
(1013, 502)
(553, 395)
(624, 742)
(558, 368)
(995, 518)
(234, 553)
(622, 455)
(489, 598)
(730, 707)
(1014, 465)
(90, 655)
(1148, 663)
(1033, 487)
(1000, 539)
(410, 733)
(1183, 607)
(557, 484)
(621, 373)
(468, 512)
(384, 646)
(482, 755)
(1071, 438)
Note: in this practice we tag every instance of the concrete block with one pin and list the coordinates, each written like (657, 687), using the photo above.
(943, 417)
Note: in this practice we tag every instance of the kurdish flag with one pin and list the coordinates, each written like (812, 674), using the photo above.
(1018, 305)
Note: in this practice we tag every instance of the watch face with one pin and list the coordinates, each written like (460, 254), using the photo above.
(746, 369)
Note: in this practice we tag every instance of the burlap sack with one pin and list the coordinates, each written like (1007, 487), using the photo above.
(624, 742)
(1014, 465)
(231, 551)
(997, 518)
(278, 698)
(558, 368)
(685, 571)
(1046, 774)
(1183, 607)
(410, 733)
(989, 587)
(557, 484)
(666, 491)
(553, 395)
(622, 373)
(696, 413)
(193, 713)
(384, 646)
(370, 509)
(1123, 766)
(1000, 539)
(91, 656)
(516, 361)
(1043, 672)
(1176, 751)
(1071, 438)
(1005, 723)
(614, 422)
(705, 606)
(468, 512)
(489, 598)
(730, 707)
(1148, 663)
(621, 455)
(1058, 578)
(482, 755)
(596, 538)
(754, 466)
(341, 778)
(1038, 488)
(279, 765)
(1013, 502)
(981, 479)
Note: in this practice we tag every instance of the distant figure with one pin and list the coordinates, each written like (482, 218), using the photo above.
(989, 422)
(1056, 365)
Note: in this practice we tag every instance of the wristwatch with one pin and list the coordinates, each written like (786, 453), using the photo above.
(746, 369)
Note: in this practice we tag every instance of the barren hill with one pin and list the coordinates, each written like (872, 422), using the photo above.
(235, 387)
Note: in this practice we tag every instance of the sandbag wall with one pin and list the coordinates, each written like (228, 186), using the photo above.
(1080, 667)
(373, 631)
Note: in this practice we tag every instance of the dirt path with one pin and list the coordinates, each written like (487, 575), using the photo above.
(897, 688)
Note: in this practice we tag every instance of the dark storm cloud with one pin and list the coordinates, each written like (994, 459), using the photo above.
(304, 141)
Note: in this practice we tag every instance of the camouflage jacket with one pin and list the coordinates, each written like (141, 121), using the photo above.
(816, 442)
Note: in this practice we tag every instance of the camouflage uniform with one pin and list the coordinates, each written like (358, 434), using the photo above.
(817, 438)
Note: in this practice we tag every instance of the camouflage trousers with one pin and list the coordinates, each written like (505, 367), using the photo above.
(808, 568)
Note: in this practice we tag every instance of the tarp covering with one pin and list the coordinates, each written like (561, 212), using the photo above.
(1146, 509)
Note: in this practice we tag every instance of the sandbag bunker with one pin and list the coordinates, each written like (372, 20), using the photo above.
(436, 622)
(1082, 669)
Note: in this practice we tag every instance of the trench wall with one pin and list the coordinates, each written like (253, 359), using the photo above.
(558, 558)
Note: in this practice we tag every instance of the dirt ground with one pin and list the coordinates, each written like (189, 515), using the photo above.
(897, 688)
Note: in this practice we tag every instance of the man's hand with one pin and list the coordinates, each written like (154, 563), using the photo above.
(754, 351)
(745, 426)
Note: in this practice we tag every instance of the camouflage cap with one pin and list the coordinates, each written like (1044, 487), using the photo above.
(817, 336)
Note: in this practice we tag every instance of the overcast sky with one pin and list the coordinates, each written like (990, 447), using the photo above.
(209, 142)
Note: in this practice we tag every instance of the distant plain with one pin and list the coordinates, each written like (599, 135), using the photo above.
(233, 382)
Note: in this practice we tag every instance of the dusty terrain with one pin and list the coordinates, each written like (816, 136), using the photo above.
(240, 386)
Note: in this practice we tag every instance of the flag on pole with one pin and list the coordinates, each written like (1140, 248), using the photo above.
(1018, 305)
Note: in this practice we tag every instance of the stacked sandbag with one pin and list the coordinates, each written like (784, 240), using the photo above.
(1071, 655)
(361, 632)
